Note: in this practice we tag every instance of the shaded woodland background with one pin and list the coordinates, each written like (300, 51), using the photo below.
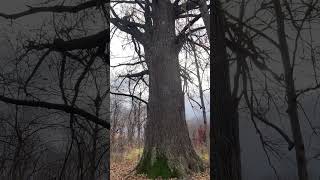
(60, 88)
(54, 83)
(271, 47)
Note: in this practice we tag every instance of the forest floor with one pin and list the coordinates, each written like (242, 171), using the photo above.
(122, 166)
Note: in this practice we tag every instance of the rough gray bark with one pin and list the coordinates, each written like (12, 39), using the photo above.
(225, 145)
(168, 151)
(205, 14)
(291, 94)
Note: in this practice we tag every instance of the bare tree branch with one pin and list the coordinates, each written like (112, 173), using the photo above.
(61, 107)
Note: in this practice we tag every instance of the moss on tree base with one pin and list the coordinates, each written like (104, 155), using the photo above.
(154, 164)
(155, 167)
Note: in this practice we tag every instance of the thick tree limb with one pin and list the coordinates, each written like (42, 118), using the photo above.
(185, 7)
(97, 40)
(128, 27)
(190, 23)
(139, 74)
(61, 107)
(54, 9)
(128, 64)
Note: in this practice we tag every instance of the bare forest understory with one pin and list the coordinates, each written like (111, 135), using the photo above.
(125, 157)
(122, 166)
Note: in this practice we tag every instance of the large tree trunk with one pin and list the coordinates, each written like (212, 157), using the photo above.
(225, 145)
(168, 151)
(291, 94)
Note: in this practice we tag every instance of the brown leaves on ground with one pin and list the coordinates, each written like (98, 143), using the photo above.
(122, 167)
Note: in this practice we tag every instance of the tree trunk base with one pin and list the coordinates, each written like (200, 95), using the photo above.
(155, 163)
